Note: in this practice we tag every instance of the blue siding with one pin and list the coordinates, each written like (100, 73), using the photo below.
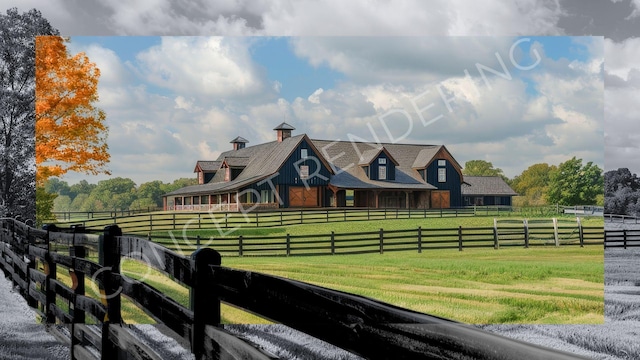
(373, 168)
(453, 183)
(289, 176)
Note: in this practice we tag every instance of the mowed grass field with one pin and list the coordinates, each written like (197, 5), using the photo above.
(536, 285)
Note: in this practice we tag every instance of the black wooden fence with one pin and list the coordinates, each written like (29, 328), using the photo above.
(622, 239)
(504, 233)
(33, 260)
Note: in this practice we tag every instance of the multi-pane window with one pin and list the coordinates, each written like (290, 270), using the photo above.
(382, 161)
(442, 175)
(382, 173)
(304, 171)
(442, 162)
(303, 153)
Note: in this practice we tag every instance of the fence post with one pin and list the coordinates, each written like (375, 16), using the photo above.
(109, 258)
(77, 280)
(496, 245)
(50, 272)
(459, 238)
(526, 233)
(204, 300)
(345, 214)
(174, 221)
(419, 239)
(327, 215)
(280, 217)
(150, 222)
(624, 238)
(381, 241)
(580, 234)
(301, 212)
(257, 220)
(333, 243)
(368, 214)
(240, 250)
(555, 231)
(288, 244)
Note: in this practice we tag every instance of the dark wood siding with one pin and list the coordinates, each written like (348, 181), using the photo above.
(391, 168)
(289, 176)
(453, 183)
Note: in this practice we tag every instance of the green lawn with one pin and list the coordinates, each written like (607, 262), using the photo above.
(537, 285)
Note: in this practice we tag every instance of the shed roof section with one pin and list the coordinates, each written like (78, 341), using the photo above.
(236, 162)
(207, 166)
(486, 185)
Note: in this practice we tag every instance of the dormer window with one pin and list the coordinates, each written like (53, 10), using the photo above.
(303, 153)
(382, 161)
(442, 162)
(382, 173)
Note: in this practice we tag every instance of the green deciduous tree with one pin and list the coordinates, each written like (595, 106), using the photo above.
(574, 184)
(533, 183)
(482, 168)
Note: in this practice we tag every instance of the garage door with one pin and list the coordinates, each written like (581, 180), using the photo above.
(440, 199)
(299, 196)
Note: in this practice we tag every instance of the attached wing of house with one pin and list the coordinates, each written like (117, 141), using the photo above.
(486, 190)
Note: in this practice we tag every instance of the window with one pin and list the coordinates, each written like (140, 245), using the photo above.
(382, 173)
(366, 170)
(382, 161)
(304, 171)
(442, 175)
(442, 162)
(303, 153)
(264, 196)
(348, 197)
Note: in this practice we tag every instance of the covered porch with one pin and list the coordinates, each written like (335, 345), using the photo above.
(380, 198)
(226, 202)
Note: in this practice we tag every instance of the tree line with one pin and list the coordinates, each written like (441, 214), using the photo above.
(112, 194)
(569, 183)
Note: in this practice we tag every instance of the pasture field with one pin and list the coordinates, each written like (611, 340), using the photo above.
(536, 285)
(617, 338)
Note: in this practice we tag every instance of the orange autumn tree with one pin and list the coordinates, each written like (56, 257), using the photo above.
(70, 131)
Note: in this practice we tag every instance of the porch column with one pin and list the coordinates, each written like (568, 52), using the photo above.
(377, 194)
(407, 197)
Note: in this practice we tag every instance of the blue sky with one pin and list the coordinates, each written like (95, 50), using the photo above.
(171, 101)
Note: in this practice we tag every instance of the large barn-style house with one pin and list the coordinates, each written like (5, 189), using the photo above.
(300, 172)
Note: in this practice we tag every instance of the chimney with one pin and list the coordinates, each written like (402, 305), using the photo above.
(283, 131)
(238, 143)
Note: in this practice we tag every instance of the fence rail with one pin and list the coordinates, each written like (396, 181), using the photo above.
(504, 233)
(33, 260)
(163, 221)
